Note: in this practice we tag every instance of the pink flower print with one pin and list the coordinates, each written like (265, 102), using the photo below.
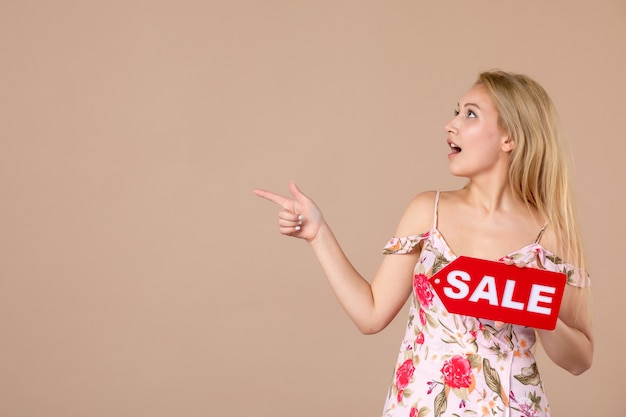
(414, 412)
(457, 372)
(431, 387)
(420, 339)
(400, 395)
(422, 317)
(404, 374)
(527, 410)
(422, 290)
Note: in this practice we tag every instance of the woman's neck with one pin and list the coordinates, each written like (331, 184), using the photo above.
(492, 197)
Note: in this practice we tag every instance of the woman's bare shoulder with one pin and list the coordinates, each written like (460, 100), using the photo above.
(419, 214)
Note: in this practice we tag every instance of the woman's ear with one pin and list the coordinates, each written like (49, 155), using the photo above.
(508, 145)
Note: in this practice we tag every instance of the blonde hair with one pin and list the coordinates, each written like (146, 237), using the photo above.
(538, 170)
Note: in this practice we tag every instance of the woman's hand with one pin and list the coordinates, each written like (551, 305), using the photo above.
(509, 261)
(370, 304)
(299, 217)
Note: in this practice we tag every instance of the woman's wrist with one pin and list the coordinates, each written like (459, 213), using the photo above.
(322, 232)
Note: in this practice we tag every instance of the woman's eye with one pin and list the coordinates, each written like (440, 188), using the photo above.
(456, 113)
(471, 114)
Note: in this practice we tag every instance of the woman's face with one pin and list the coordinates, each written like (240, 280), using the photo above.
(477, 144)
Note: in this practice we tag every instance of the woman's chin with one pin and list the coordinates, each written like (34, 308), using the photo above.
(457, 172)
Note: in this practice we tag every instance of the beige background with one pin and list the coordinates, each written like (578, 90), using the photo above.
(139, 276)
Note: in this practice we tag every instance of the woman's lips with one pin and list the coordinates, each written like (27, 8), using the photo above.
(454, 147)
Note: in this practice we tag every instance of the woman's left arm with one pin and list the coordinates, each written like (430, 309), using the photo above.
(570, 344)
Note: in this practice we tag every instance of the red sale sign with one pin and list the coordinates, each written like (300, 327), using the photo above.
(496, 291)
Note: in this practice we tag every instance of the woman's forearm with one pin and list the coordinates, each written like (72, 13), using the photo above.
(353, 291)
(370, 306)
(568, 347)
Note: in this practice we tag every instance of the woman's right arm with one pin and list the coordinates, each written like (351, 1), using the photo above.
(371, 306)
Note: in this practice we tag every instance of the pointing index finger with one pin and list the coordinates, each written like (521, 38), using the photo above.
(273, 197)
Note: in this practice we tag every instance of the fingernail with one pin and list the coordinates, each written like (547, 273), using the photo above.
(298, 228)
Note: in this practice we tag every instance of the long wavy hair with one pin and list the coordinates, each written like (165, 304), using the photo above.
(539, 169)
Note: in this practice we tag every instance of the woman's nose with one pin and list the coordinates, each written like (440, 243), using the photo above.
(450, 127)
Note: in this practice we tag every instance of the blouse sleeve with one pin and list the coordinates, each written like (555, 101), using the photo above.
(403, 245)
(575, 276)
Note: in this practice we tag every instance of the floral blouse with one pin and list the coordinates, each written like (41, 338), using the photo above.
(453, 365)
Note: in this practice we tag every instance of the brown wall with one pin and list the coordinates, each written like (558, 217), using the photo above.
(139, 276)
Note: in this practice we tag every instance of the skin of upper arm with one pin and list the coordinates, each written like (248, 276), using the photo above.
(574, 311)
(393, 282)
(574, 307)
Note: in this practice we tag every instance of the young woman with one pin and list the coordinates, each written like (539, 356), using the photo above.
(516, 208)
